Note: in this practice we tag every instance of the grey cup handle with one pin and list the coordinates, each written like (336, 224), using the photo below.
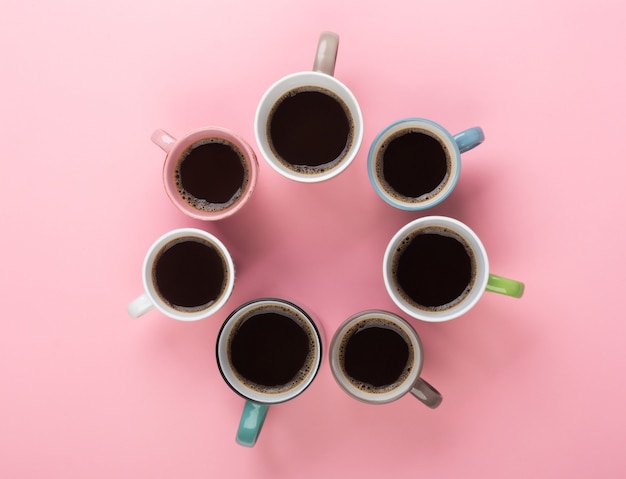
(326, 54)
(426, 393)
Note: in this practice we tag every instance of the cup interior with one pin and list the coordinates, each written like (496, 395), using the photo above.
(386, 192)
(195, 137)
(481, 273)
(152, 290)
(263, 393)
(355, 387)
(293, 82)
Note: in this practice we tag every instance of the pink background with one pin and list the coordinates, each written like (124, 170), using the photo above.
(532, 387)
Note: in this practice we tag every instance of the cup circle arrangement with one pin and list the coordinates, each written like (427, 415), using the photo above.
(188, 274)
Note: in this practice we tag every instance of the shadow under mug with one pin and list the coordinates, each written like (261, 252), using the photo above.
(308, 125)
(414, 163)
(209, 173)
(436, 268)
(188, 274)
(377, 357)
(268, 350)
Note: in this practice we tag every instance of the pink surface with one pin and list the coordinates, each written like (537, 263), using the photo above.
(532, 387)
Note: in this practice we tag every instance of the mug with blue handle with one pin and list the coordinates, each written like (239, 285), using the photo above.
(269, 350)
(414, 163)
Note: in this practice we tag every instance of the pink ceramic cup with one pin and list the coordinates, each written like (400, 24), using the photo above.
(209, 173)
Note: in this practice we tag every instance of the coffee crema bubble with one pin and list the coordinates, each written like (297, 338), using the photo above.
(412, 165)
(433, 268)
(310, 130)
(211, 174)
(376, 356)
(271, 349)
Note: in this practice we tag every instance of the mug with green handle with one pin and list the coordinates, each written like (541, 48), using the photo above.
(445, 275)
(269, 350)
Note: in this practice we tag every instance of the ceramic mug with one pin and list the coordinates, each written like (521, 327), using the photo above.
(308, 125)
(209, 173)
(268, 350)
(414, 163)
(377, 357)
(436, 268)
(188, 274)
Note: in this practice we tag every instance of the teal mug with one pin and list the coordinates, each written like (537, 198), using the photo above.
(414, 163)
(268, 351)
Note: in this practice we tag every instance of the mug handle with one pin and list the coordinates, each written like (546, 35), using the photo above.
(252, 419)
(470, 138)
(163, 139)
(509, 287)
(326, 54)
(140, 306)
(426, 393)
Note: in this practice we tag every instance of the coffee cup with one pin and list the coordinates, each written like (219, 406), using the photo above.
(377, 357)
(188, 274)
(308, 125)
(414, 163)
(209, 173)
(436, 268)
(268, 351)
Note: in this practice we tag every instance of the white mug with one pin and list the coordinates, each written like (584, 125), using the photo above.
(188, 274)
(411, 270)
(306, 152)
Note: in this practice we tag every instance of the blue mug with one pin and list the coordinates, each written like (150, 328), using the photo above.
(268, 351)
(414, 163)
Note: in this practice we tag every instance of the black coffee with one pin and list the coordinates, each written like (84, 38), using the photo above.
(271, 351)
(412, 165)
(434, 268)
(376, 356)
(211, 174)
(310, 130)
(189, 274)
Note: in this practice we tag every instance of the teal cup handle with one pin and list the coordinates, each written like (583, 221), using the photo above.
(252, 419)
(470, 138)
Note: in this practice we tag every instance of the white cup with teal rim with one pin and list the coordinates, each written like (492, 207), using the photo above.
(414, 163)
(268, 350)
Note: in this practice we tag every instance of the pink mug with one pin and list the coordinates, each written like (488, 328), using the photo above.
(209, 173)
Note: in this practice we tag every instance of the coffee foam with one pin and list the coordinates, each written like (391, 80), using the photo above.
(442, 231)
(309, 362)
(306, 169)
(380, 323)
(390, 190)
(200, 203)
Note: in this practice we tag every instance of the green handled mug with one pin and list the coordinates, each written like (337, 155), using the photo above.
(436, 268)
(268, 351)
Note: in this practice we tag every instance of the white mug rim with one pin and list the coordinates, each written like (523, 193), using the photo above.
(482, 268)
(227, 371)
(295, 80)
(405, 386)
(150, 289)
